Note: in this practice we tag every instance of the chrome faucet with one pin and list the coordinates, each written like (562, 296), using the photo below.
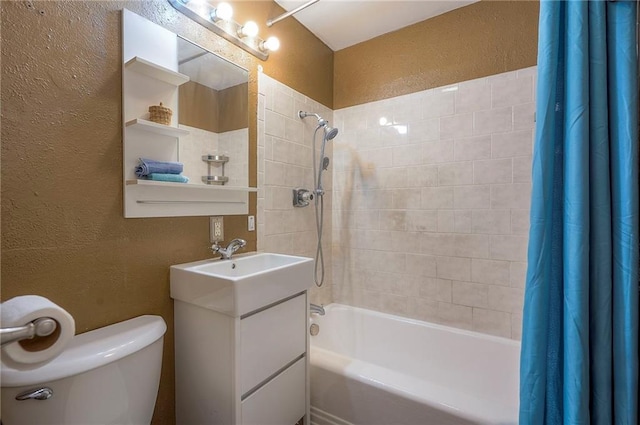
(318, 309)
(227, 253)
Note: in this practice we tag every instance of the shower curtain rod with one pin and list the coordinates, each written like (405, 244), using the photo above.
(270, 22)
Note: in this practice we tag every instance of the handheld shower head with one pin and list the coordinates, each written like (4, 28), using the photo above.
(330, 132)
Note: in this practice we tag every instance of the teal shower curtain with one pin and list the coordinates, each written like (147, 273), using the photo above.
(579, 362)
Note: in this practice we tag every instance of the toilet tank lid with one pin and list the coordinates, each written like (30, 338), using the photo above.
(90, 350)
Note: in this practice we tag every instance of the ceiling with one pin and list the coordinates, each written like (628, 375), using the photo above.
(343, 23)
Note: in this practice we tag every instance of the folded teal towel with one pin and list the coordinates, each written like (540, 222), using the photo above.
(177, 178)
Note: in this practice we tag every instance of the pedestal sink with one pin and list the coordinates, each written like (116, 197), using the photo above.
(243, 284)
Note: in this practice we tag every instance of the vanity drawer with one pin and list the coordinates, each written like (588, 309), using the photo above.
(270, 340)
(280, 402)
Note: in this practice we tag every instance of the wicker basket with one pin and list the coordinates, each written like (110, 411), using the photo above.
(160, 114)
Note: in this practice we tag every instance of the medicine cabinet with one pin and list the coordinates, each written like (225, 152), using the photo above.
(208, 132)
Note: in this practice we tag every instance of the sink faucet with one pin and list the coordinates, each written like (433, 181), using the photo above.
(227, 253)
(315, 308)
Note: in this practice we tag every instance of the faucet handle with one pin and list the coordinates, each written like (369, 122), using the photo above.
(240, 243)
(226, 253)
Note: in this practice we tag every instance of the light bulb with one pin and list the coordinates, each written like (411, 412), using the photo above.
(271, 44)
(223, 12)
(249, 29)
(200, 7)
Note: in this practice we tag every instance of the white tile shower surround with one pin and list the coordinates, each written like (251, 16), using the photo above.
(200, 142)
(284, 163)
(431, 196)
(191, 148)
(235, 145)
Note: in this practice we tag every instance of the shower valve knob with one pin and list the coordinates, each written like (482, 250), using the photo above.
(301, 197)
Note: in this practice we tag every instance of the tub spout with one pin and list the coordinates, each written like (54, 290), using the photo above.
(318, 309)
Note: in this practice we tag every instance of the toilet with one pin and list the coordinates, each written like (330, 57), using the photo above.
(106, 376)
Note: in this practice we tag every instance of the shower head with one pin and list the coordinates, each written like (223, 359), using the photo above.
(330, 132)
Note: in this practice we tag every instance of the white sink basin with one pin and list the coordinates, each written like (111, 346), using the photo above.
(243, 284)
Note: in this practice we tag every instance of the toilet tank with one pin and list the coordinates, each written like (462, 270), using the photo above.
(106, 376)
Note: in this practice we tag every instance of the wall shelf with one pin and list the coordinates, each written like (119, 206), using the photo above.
(158, 72)
(204, 187)
(215, 159)
(150, 126)
(149, 198)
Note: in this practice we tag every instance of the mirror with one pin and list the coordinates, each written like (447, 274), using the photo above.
(213, 107)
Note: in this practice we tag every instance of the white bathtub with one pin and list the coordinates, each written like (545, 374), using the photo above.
(370, 368)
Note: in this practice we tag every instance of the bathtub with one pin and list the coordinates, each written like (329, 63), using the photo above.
(370, 368)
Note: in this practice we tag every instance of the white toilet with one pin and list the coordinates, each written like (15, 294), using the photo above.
(106, 376)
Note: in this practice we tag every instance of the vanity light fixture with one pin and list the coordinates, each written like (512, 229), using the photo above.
(218, 18)
(249, 29)
(224, 12)
(271, 44)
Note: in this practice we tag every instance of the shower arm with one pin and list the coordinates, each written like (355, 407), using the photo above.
(303, 115)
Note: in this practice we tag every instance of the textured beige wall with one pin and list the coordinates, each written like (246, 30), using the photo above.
(63, 233)
(485, 38)
(198, 106)
(235, 113)
(209, 109)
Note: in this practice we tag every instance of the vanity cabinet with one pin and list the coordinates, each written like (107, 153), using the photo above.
(249, 370)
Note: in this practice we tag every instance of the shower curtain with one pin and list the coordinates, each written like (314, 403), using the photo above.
(579, 362)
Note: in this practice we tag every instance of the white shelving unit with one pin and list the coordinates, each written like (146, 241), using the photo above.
(150, 75)
(161, 129)
(204, 187)
(158, 72)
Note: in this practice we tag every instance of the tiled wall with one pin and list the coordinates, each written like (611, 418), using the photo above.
(431, 203)
(284, 163)
(191, 148)
(234, 144)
